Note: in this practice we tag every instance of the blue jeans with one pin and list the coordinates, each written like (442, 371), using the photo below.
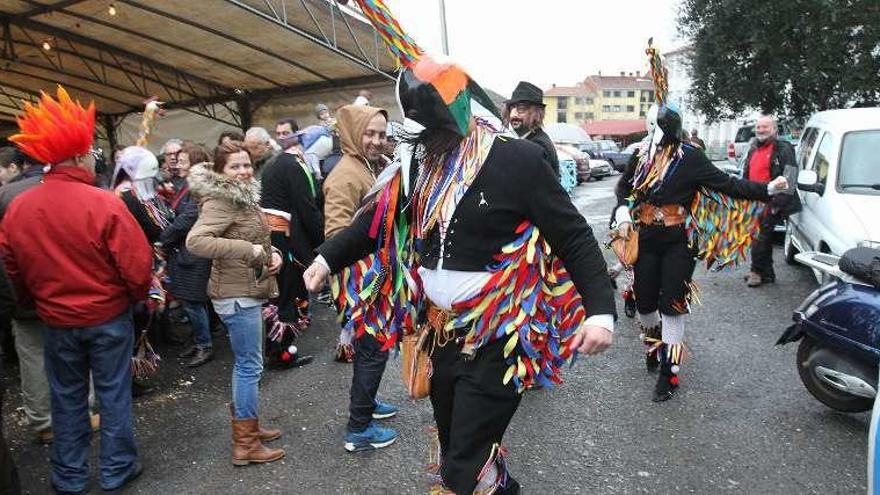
(245, 327)
(197, 312)
(367, 370)
(70, 354)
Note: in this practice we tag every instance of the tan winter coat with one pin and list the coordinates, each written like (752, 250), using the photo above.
(230, 223)
(351, 178)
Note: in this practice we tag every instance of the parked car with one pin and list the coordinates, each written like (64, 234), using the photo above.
(839, 184)
(607, 150)
(599, 169)
(581, 160)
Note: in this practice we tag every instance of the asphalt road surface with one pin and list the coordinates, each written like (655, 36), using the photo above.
(741, 423)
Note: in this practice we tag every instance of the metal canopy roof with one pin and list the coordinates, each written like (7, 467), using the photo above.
(193, 55)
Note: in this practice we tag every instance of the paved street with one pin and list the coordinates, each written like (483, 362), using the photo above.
(742, 422)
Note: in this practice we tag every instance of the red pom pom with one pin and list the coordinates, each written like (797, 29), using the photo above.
(673, 380)
(285, 356)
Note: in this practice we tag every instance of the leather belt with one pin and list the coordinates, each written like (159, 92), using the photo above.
(278, 223)
(437, 317)
(437, 320)
(667, 215)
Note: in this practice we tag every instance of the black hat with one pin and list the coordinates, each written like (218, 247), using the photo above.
(527, 92)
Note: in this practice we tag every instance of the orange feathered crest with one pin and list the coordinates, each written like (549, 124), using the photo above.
(54, 131)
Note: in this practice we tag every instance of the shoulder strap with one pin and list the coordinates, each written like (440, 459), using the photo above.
(179, 197)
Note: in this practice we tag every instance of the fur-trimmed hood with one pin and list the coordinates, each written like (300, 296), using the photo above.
(204, 183)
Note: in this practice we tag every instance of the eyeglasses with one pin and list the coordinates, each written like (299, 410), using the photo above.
(521, 107)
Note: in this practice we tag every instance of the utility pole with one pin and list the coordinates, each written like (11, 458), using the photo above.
(443, 37)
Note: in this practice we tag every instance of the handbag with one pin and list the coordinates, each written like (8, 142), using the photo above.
(625, 247)
(416, 369)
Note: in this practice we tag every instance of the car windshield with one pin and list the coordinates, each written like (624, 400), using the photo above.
(588, 147)
(860, 162)
(745, 134)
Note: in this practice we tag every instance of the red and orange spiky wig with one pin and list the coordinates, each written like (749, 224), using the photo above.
(55, 131)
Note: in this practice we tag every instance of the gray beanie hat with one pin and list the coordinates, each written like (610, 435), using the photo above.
(320, 107)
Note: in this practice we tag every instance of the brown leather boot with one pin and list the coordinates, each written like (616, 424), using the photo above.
(247, 447)
(265, 434)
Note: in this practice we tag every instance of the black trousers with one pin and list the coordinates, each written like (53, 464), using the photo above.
(664, 268)
(9, 482)
(762, 248)
(472, 408)
(291, 287)
(368, 367)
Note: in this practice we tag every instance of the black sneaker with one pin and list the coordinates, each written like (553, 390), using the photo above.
(189, 352)
(202, 356)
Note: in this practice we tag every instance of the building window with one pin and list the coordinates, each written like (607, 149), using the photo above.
(606, 108)
(616, 108)
(562, 103)
(606, 94)
(579, 115)
(589, 116)
(642, 113)
(588, 101)
(630, 94)
(630, 108)
(617, 94)
(561, 117)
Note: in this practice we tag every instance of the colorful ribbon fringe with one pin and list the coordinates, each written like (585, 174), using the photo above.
(722, 228)
(530, 301)
(376, 295)
(401, 46)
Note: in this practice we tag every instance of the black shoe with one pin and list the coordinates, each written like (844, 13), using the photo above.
(189, 352)
(135, 472)
(768, 280)
(629, 307)
(667, 382)
(294, 362)
(139, 390)
(510, 488)
(651, 362)
(202, 356)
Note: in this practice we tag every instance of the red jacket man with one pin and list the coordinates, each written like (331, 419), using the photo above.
(74, 250)
(77, 254)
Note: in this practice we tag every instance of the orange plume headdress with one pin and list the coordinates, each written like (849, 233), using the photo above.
(54, 131)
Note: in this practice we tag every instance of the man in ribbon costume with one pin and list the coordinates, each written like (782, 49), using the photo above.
(684, 208)
(471, 232)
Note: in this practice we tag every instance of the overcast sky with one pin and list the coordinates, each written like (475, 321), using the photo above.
(501, 42)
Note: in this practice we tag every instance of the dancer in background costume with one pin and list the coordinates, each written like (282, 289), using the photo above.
(474, 236)
(684, 209)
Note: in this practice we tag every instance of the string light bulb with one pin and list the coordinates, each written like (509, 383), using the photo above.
(46, 45)
(111, 9)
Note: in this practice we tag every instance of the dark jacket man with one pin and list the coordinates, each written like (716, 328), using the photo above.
(524, 113)
(781, 155)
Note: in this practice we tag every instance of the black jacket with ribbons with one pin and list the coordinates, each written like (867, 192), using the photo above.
(514, 184)
(680, 187)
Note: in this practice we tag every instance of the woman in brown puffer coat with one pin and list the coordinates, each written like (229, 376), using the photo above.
(232, 231)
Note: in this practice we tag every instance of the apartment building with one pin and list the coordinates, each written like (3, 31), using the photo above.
(600, 97)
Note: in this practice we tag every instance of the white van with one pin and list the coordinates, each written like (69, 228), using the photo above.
(838, 182)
